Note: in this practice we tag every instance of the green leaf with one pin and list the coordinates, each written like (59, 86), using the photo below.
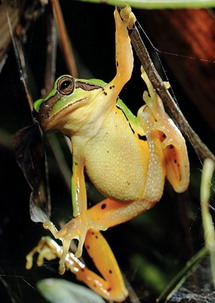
(59, 290)
(157, 4)
(207, 221)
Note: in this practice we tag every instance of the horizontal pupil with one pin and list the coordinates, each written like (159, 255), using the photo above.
(65, 84)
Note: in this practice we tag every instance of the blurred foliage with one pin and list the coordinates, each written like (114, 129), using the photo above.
(59, 290)
(159, 241)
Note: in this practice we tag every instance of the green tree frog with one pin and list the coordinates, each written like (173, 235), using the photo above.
(126, 157)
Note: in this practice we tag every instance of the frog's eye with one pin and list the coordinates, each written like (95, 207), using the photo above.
(66, 85)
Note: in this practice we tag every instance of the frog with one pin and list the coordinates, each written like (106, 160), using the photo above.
(127, 157)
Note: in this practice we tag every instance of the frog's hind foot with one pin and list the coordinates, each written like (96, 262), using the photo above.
(47, 249)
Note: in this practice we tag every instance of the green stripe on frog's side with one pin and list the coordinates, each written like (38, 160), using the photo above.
(133, 121)
(129, 115)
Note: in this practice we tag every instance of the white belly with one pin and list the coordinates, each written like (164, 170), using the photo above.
(115, 160)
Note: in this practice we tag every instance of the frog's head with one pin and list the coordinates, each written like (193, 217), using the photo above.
(68, 106)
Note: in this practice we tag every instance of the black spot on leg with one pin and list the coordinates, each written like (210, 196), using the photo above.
(105, 93)
(171, 146)
(88, 247)
(103, 206)
(97, 237)
(163, 137)
(117, 63)
(109, 289)
(110, 271)
(175, 161)
(142, 137)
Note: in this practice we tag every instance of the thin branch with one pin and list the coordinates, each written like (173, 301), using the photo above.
(51, 54)
(64, 39)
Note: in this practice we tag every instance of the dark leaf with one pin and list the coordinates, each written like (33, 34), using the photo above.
(31, 158)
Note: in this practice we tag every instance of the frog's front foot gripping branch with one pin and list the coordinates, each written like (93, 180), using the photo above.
(76, 229)
(109, 285)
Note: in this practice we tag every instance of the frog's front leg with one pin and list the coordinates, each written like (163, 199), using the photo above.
(124, 54)
(78, 227)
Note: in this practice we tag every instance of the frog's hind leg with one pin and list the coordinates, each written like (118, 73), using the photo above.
(156, 166)
(176, 158)
(171, 139)
(111, 285)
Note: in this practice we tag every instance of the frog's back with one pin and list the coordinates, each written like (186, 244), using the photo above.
(117, 158)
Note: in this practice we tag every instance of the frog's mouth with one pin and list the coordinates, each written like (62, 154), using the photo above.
(49, 120)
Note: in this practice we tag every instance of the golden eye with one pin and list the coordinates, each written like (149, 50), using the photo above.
(66, 85)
